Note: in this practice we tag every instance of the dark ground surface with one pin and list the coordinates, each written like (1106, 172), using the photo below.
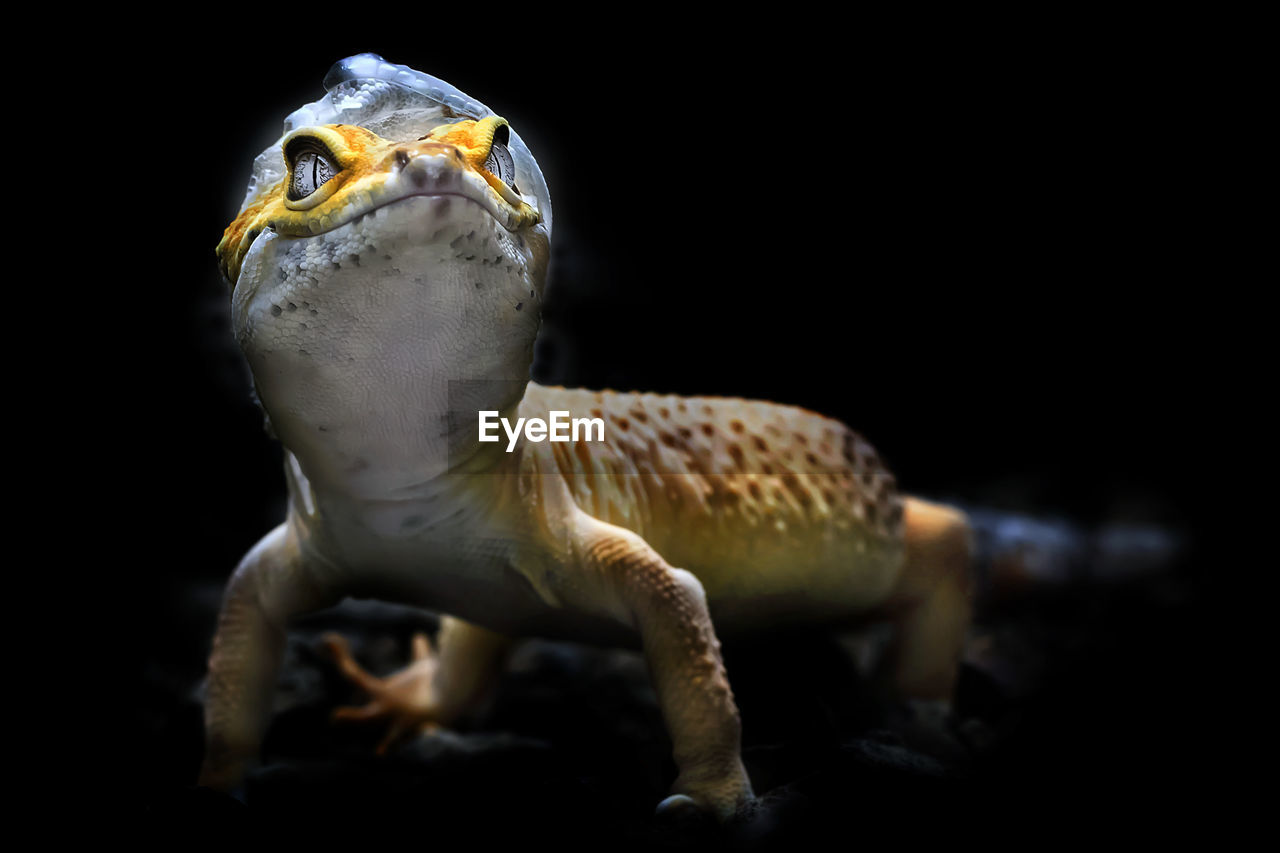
(1075, 720)
(985, 258)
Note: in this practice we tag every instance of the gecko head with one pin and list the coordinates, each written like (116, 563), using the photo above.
(395, 238)
(393, 180)
(385, 134)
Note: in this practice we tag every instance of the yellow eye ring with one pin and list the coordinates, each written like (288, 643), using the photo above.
(322, 194)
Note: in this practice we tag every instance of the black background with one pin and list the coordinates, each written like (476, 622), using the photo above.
(973, 248)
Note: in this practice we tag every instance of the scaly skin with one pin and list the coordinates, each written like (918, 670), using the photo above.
(379, 314)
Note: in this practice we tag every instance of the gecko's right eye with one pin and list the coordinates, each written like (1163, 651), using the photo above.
(311, 168)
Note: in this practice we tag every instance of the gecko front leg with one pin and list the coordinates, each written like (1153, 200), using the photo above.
(269, 587)
(614, 572)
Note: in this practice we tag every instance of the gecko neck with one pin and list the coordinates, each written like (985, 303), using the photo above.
(385, 422)
(402, 445)
(374, 373)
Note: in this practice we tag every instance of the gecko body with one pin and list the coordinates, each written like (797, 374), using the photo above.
(387, 266)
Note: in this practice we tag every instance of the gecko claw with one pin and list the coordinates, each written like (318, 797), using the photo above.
(677, 806)
(684, 814)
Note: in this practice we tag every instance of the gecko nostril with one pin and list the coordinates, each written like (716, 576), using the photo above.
(417, 173)
(402, 157)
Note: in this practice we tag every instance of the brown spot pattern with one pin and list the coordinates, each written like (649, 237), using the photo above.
(688, 473)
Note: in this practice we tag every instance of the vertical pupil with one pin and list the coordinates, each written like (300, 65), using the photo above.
(300, 172)
(310, 170)
(499, 163)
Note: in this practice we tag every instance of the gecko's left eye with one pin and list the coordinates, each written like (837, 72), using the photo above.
(499, 162)
(312, 168)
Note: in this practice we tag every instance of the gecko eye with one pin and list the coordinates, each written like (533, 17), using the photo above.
(499, 162)
(312, 168)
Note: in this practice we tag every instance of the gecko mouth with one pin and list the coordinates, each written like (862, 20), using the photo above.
(437, 205)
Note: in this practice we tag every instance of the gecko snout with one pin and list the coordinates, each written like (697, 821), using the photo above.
(425, 172)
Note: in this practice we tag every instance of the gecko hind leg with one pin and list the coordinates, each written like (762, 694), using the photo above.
(930, 609)
(435, 690)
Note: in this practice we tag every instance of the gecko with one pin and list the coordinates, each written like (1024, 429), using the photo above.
(387, 270)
